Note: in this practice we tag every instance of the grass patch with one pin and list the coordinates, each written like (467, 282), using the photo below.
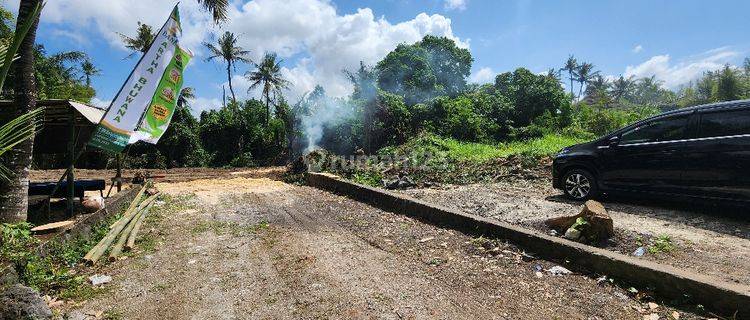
(662, 243)
(479, 152)
(434, 159)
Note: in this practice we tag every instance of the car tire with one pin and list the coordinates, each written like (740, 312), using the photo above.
(580, 185)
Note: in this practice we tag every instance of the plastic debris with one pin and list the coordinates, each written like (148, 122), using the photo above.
(98, 279)
(558, 271)
(639, 252)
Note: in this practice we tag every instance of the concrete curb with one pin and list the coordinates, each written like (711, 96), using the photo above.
(666, 281)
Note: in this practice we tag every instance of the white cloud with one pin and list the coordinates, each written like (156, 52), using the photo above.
(638, 49)
(321, 41)
(676, 74)
(200, 104)
(483, 75)
(455, 4)
(328, 41)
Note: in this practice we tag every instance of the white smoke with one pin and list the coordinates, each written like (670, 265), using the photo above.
(323, 111)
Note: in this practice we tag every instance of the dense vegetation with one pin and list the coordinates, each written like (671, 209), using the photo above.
(416, 89)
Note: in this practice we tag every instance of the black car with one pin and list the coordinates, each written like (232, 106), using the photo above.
(702, 151)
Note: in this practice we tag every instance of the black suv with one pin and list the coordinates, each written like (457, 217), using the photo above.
(702, 151)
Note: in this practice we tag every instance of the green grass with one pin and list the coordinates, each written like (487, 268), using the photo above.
(481, 152)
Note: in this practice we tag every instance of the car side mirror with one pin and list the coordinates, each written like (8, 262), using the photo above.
(614, 141)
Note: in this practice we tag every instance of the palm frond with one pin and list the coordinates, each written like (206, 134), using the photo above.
(16, 131)
(217, 8)
(10, 52)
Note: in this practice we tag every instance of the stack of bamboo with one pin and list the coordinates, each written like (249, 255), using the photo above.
(124, 230)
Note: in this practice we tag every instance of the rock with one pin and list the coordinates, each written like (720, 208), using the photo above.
(151, 191)
(98, 279)
(653, 316)
(653, 306)
(92, 204)
(558, 271)
(8, 277)
(598, 225)
(572, 234)
(21, 302)
(675, 315)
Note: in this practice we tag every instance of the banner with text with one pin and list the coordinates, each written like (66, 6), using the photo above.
(143, 108)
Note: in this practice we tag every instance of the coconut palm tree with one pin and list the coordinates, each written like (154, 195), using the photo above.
(585, 74)
(231, 53)
(18, 142)
(186, 94)
(571, 66)
(268, 74)
(89, 70)
(622, 87)
(139, 44)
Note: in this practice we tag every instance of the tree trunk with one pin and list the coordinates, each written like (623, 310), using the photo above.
(229, 77)
(268, 110)
(14, 194)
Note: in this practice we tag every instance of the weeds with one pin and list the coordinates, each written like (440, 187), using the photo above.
(662, 243)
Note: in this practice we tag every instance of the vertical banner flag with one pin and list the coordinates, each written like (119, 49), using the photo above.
(143, 108)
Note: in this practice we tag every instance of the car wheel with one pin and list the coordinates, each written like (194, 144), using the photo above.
(579, 185)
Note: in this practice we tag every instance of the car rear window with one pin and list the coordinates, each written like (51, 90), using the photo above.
(726, 123)
(664, 129)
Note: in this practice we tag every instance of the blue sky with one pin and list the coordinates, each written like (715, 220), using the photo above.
(673, 40)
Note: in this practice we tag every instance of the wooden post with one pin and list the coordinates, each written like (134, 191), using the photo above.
(71, 160)
(118, 175)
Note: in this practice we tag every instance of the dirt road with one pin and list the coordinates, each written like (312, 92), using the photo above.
(255, 248)
(708, 239)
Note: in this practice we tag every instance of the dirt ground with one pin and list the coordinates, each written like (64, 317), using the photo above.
(708, 239)
(255, 248)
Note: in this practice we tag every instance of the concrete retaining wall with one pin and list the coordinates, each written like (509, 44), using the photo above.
(667, 282)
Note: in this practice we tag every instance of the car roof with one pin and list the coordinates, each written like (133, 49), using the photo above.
(733, 103)
(709, 106)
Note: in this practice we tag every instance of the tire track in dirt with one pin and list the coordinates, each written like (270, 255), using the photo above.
(327, 257)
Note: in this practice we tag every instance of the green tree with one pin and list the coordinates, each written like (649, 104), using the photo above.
(571, 66)
(585, 74)
(421, 71)
(89, 70)
(268, 75)
(728, 87)
(230, 52)
(144, 36)
(622, 87)
(530, 94)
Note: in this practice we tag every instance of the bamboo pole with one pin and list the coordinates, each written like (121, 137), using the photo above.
(130, 208)
(133, 204)
(125, 234)
(130, 245)
(98, 252)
